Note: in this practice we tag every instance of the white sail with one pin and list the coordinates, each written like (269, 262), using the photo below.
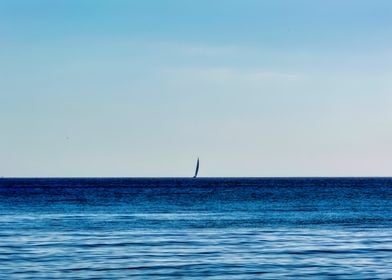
(197, 168)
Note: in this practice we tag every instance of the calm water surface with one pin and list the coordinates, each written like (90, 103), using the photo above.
(196, 229)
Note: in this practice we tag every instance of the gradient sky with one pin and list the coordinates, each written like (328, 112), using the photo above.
(141, 88)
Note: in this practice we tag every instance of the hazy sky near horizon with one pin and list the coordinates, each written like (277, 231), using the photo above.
(141, 88)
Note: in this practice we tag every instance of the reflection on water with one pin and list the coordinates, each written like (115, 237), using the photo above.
(200, 229)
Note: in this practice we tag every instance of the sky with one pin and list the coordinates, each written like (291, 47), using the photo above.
(142, 88)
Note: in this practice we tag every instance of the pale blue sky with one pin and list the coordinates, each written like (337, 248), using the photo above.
(141, 88)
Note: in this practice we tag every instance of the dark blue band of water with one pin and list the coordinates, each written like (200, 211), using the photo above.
(208, 228)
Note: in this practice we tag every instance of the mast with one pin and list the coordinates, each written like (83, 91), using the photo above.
(197, 168)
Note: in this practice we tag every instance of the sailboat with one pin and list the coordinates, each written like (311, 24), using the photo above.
(197, 168)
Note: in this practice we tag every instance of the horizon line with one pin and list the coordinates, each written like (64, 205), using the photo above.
(190, 177)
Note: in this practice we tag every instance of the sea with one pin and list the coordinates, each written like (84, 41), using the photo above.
(207, 228)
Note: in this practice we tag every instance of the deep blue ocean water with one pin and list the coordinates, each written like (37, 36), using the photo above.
(208, 228)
